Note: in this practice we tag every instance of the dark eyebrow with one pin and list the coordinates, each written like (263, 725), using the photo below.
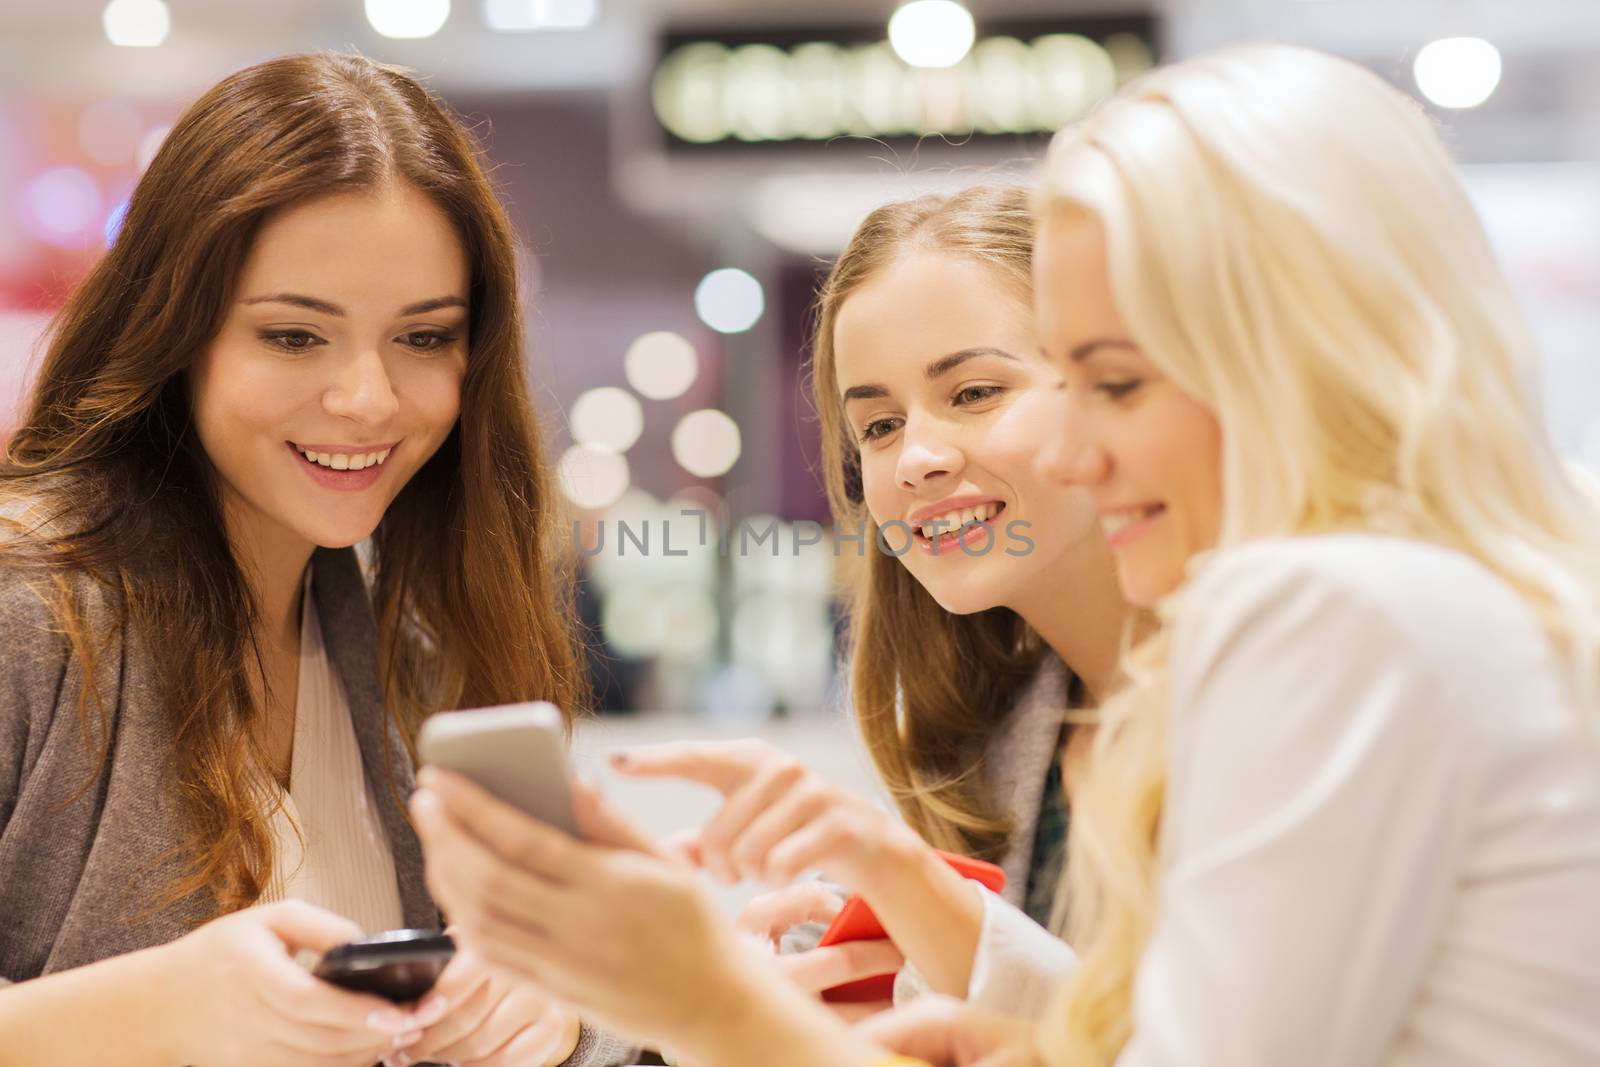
(311, 303)
(935, 370)
(1085, 350)
(864, 392)
(945, 364)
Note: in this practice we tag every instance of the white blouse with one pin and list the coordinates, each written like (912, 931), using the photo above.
(1381, 840)
(329, 848)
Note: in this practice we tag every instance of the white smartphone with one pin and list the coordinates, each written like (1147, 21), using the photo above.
(518, 752)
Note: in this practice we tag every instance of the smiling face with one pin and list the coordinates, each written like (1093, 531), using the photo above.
(1149, 454)
(948, 398)
(338, 370)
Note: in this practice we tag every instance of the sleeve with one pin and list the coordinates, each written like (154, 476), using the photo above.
(33, 661)
(1315, 810)
(597, 1048)
(1016, 969)
(1019, 963)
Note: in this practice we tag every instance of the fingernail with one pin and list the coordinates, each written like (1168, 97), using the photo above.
(425, 801)
(431, 1010)
(410, 1037)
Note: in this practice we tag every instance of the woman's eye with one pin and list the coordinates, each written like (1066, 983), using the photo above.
(426, 340)
(976, 394)
(1118, 390)
(291, 340)
(878, 428)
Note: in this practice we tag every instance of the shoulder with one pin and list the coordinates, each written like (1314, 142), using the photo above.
(1353, 613)
(1395, 584)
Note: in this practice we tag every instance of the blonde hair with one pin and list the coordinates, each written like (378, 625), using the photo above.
(1289, 243)
(925, 683)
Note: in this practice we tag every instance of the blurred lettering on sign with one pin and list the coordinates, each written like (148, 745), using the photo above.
(786, 88)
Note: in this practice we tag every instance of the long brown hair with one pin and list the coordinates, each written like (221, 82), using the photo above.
(468, 589)
(929, 687)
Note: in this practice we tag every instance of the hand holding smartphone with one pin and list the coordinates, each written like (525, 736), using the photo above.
(400, 965)
(517, 752)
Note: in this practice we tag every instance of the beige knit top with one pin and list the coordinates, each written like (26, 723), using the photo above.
(329, 844)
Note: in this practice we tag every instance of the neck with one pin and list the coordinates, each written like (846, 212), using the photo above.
(273, 562)
(1083, 617)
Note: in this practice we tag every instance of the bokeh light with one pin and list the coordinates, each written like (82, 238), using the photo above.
(63, 204)
(593, 478)
(136, 23)
(408, 18)
(607, 417)
(729, 300)
(932, 33)
(1458, 72)
(510, 16)
(706, 443)
(661, 365)
(113, 224)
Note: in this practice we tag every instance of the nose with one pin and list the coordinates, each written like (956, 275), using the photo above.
(1070, 455)
(925, 454)
(362, 392)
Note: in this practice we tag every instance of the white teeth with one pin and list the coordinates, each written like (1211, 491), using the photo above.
(953, 521)
(341, 461)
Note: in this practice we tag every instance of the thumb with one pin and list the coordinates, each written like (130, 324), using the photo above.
(303, 926)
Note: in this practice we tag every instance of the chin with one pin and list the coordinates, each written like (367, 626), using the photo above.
(959, 601)
(341, 536)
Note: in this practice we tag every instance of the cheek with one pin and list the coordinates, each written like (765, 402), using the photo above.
(233, 393)
(879, 490)
(431, 392)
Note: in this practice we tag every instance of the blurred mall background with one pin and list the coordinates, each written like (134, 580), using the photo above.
(681, 170)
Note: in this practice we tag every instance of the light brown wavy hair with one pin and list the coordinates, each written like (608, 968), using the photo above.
(929, 687)
(469, 590)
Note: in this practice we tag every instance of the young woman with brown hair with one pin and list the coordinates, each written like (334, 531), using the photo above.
(967, 647)
(306, 335)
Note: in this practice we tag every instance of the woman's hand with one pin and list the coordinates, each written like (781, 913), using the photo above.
(486, 1018)
(240, 999)
(780, 818)
(949, 1033)
(769, 916)
(609, 924)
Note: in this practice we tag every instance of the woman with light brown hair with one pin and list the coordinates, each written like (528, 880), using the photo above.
(306, 335)
(985, 611)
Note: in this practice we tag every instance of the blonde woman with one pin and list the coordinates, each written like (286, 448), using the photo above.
(932, 396)
(1350, 811)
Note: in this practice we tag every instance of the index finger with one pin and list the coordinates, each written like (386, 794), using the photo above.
(722, 765)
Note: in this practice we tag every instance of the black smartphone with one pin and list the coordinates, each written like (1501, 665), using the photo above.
(400, 965)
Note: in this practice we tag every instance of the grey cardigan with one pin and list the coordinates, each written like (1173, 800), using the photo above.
(80, 867)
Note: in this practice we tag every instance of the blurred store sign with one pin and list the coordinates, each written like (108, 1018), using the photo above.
(722, 89)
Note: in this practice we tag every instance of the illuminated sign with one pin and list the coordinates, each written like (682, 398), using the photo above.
(735, 89)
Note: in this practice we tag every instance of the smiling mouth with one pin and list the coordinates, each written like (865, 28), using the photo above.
(1122, 526)
(952, 526)
(343, 461)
